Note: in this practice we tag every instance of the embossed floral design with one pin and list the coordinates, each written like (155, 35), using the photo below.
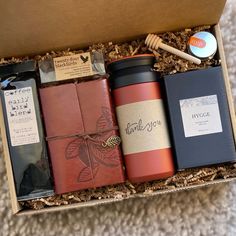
(91, 152)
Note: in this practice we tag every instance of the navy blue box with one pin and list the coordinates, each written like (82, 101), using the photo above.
(199, 118)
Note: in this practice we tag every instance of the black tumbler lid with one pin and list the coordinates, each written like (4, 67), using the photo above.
(131, 61)
(133, 70)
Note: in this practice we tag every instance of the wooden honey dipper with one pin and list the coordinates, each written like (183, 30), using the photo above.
(154, 42)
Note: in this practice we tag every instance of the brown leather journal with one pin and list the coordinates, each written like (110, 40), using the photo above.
(82, 135)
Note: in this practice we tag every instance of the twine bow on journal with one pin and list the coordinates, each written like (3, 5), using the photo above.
(94, 149)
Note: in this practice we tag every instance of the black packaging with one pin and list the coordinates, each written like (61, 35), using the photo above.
(24, 130)
(199, 118)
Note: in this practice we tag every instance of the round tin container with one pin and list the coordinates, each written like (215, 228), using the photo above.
(141, 118)
(203, 45)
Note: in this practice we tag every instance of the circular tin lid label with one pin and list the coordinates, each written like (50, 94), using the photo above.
(197, 42)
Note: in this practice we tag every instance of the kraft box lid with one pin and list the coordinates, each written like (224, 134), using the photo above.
(28, 28)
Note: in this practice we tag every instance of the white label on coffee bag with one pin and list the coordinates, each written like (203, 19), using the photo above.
(143, 126)
(74, 66)
(200, 116)
(21, 116)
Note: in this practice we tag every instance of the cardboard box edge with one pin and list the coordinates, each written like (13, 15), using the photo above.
(226, 78)
(106, 201)
(6, 155)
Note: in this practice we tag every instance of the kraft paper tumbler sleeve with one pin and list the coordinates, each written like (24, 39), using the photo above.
(141, 118)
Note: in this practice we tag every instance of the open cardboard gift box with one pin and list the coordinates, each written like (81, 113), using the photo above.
(31, 29)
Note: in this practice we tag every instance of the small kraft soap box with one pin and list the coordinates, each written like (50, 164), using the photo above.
(199, 118)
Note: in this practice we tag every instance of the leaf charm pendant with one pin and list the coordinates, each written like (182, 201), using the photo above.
(111, 142)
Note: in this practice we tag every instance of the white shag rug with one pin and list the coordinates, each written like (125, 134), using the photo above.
(208, 211)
